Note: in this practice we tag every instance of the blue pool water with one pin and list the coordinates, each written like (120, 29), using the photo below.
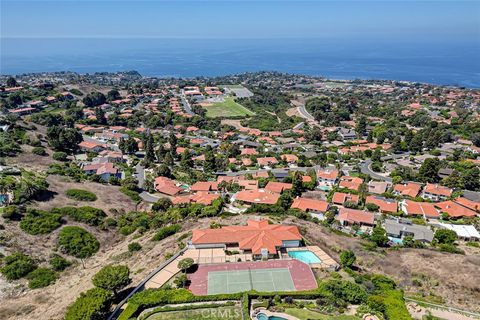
(304, 256)
(262, 316)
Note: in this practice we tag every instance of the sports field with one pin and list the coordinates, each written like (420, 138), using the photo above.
(263, 280)
(226, 109)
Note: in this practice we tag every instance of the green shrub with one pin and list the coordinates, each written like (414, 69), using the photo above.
(166, 232)
(93, 304)
(89, 215)
(77, 242)
(41, 277)
(59, 156)
(131, 194)
(81, 195)
(39, 151)
(40, 222)
(450, 248)
(134, 246)
(59, 263)
(112, 278)
(444, 236)
(17, 265)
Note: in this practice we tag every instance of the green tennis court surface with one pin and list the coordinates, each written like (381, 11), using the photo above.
(251, 279)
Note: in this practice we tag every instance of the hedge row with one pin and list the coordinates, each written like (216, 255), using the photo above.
(155, 297)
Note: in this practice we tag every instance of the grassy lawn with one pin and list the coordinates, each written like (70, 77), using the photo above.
(220, 313)
(304, 314)
(228, 108)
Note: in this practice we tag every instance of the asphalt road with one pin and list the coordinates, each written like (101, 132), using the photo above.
(365, 166)
(140, 175)
(186, 105)
(147, 197)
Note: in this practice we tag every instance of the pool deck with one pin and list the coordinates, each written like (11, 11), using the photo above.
(327, 262)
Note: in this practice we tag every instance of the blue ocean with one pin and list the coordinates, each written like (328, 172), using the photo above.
(438, 61)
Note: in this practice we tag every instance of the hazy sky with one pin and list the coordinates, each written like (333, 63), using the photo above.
(240, 19)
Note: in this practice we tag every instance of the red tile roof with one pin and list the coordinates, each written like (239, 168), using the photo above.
(352, 183)
(410, 189)
(385, 205)
(258, 196)
(167, 186)
(455, 210)
(306, 204)
(278, 187)
(420, 208)
(438, 190)
(472, 205)
(341, 198)
(266, 161)
(255, 236)
(356, 216)
(327, 174)
(204, 186)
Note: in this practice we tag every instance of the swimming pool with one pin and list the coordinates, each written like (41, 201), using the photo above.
(304, 256)
(263, 316)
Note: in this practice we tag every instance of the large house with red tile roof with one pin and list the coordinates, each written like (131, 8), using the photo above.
(355, 217)
(436, 192)
(385, 205)
(410, 189)
(341, 197)
(89, 146)
(310, 205)
(104, 170)
(204, 186)
(327, 177)
(258, 238)
(351, 183)
(278, 187)
(259, 196)
(454, 210)
(267, 161)
(166, 186)
(425, 209)
(201, 197)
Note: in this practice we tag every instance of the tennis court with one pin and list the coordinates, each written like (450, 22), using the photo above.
(250, 279)
(272, 275)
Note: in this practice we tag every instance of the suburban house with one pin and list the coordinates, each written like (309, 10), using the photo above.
(260, 196)
(267, 161)
(277, 187)
(347, 134)
(315, 207)
(378, 187)
(410, 189)
(454, 210)
(201, 197)
(204, 186)
(436, 192)
(166, 186)
(348, 217)
(104, 170)
(89, 146)
(424, 209)
(259, 238)
(341, 198)
(351, 183)
(385, 205)
(327, 177)
(467, 203)
(401, 228)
